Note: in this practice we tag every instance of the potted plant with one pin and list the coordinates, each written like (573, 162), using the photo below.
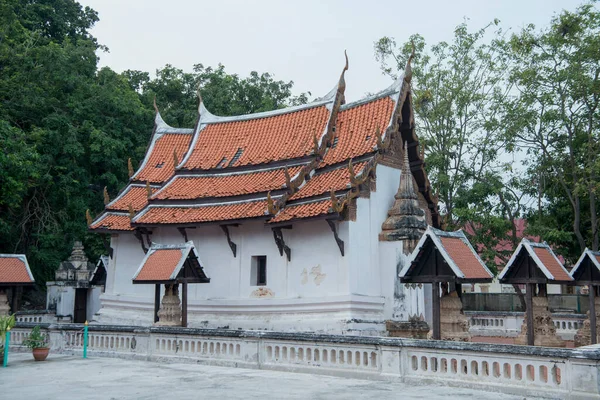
(6, 322)
(38, 343)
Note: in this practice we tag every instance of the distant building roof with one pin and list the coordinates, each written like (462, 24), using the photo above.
(14, 269)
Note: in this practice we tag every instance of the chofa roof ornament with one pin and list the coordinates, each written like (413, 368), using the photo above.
(408, 68)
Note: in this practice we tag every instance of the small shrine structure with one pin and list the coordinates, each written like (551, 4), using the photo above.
(75, 292)
(444, 258)
(535, 265)
(587, 272)
(171, 265)
(14, 274)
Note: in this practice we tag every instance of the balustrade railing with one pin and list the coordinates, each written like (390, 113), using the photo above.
(522, 370)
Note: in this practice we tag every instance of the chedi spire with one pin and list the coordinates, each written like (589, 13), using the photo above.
(406, 219)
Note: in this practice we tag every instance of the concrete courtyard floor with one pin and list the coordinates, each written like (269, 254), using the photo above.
(68, 377)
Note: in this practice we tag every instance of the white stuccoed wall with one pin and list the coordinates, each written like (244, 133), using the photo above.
(318, 282)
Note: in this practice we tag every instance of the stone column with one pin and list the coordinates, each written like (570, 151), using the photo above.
(170, 307)
(4, 306)
(583, 337)
(544, 330)
(454, 323)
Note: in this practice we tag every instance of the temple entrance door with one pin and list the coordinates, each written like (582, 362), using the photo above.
(80, 312)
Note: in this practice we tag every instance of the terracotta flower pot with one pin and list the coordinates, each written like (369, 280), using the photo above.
(40, 353)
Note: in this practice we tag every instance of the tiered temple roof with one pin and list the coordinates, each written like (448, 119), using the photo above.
(308, 161)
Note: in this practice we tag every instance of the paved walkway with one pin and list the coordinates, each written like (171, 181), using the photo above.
(66, 377)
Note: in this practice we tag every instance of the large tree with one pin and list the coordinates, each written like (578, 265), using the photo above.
(555, 116)
(67, 128)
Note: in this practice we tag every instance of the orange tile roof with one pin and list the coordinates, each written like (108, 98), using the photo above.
(196, 187)
(557, 270)
(159, 165)
(305, 210)
(13, 270)
(192, 214)
(356, 129)
(464, 258)
(263, 140)
(113, 222)
(137, 196)
(160, 265)
(337, 179)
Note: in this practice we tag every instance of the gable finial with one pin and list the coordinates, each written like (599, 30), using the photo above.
(106, 197)
(199, 94)
(155, 106)
(288, 179)
(129, 167)
(342, 81)
(379, 138)
(88, 217)
(131, 212)
(148, 189)
(408, 68)
(175, 159)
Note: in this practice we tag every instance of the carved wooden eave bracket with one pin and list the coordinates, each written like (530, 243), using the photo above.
(280, 242)
(183, 233)
(339, 241)
(231, 244)
(107, 246)
(139, 236)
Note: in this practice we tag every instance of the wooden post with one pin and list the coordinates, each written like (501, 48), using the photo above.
(592, 296)
(184, 304)
(435, 297)
(529, 302)
(156, 301)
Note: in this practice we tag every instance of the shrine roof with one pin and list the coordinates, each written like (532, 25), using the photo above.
(457, 252)
(14, 269)
(164, 263)
(256, 139)
(194, 186)
(112, 221)
(543, 257)
(303, 210)
(594, 263)
(135, 195)
(190, 214)
(356, 127)
(325, 181)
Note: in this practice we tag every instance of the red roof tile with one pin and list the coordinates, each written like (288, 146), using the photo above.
(160, 265)
(196, 187)
(356, 129)
(159, 165)
(463, 257)
(13, 270)
(553, 266)
(337, 179)
(191, 214)
(262, 140)
(136, 196)
(303, 211)
(113, 222)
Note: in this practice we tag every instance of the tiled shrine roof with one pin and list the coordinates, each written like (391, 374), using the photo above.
(456, 251)
(543, 257)
(163, 263)
(275, 166)
(14, 269)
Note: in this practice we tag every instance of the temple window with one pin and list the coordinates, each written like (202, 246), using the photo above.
(258, 273)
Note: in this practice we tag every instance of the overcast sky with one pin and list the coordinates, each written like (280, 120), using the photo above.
(300, 40)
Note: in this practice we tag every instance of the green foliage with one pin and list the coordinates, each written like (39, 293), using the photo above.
(6, 322)
(36, 339)
(68, 128)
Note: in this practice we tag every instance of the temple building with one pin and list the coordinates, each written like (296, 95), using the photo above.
(294, 219)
